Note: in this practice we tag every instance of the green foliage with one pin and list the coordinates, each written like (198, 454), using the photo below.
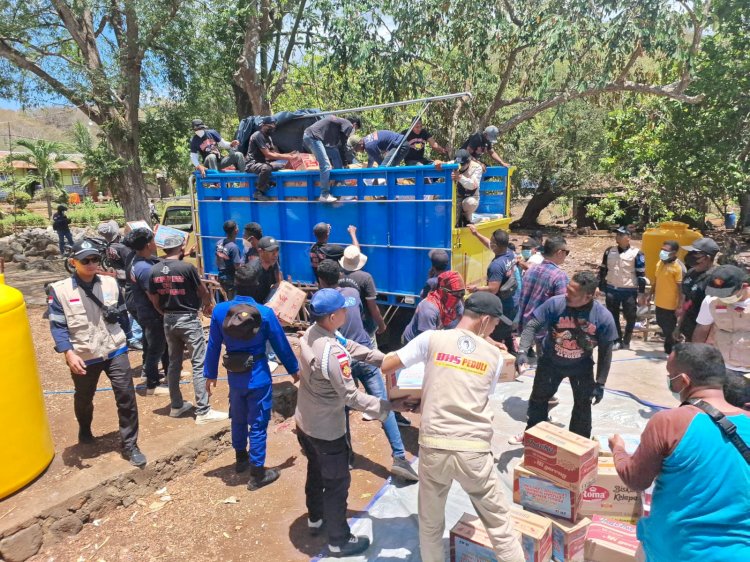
(19, 199)
(89, 213)
(606, 210)
(101, 164)
(20, 221)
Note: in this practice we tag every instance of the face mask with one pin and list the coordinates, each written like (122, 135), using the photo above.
(669, 386)
(691, 259)
(526, 254)
(664, 255)
(200, 133)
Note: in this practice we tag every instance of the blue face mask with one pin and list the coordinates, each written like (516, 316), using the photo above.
(664, 255)
(526, 254)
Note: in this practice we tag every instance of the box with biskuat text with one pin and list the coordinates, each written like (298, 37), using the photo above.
(569, 539)
(287, 301)
(536, 492)
(566, 459)
(536, 534)
(608, 496)
(608, 540)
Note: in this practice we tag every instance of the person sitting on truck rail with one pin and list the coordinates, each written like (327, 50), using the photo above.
(205, 150)
(468, 176)
(263, 157)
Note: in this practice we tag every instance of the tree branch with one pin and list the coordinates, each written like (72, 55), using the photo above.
(153, 33)
(512, 14)
(636, 54)
(504, 79)
(17, 58)
(673, 91)
(281, 80)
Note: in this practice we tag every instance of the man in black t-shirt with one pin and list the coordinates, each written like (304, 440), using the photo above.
(267, 265)
(418, 139)
(262, 157)
(176, 291)
(482, 143)
(700, 262)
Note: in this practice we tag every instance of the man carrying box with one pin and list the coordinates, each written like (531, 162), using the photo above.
(461, 369)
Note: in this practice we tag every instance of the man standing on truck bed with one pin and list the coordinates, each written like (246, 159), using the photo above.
(263, 158)
(480, 144)
(205, 150)
(330, 131)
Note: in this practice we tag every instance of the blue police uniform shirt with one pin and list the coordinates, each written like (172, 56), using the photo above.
(270, 331)
(562, 344)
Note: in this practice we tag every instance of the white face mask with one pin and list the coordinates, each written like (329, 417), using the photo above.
(200, 132)
(664, 255)
(669, 386)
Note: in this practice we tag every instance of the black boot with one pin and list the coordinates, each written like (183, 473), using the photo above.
(261, 476)
(85, 437)
(242, 461)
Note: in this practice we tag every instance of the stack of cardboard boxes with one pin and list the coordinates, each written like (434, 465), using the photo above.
(562, 484)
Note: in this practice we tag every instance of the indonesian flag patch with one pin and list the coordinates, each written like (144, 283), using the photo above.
(346, 369)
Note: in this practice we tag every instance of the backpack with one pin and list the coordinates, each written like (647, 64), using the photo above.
(509, 287)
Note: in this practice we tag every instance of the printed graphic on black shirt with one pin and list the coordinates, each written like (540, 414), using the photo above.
(573, 337)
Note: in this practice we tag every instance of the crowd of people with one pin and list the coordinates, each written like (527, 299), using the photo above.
(527, 306)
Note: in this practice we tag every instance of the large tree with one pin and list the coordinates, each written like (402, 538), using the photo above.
(92, 53)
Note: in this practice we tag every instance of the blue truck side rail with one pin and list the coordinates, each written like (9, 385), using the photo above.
(401, 213)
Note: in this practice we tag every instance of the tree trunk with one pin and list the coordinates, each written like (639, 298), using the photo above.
(131, 186)
(744, 220)
(48, 197)
(242, 102)
(540, 201)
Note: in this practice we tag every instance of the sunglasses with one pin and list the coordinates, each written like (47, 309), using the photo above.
(91, 259)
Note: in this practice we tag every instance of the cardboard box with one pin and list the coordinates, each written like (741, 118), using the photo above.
(302, 161)
(287, 302)
(536, 534)
(535, 492)
(567, 459)
(608, 495)
(569, 539)
(406, 382)
(608, 540)
(469, 541)
(508, 371)
(163, 232)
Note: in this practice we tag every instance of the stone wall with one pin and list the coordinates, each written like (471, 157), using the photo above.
(36, 248)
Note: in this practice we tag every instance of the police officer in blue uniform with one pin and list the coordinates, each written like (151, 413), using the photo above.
(244, 327)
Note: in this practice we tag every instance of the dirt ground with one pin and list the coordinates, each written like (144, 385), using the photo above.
(210, 515)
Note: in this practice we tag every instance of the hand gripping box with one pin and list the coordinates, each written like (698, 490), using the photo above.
(535, 492)
(608, 540)
(469, 541)
(405, 382)
(567, 459)
(608, 496)
(569, 539)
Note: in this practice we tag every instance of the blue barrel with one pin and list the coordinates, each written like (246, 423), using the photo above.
(730, 220)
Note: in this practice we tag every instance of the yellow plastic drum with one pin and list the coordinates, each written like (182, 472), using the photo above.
(654, 238)
(25, 442)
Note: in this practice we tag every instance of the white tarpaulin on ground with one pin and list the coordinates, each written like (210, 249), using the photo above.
(391, 518)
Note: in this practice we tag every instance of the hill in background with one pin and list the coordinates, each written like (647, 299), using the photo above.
(53, 124)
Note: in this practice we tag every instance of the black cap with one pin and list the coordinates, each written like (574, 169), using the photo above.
(242, 322)
(61, 208)
(333, 251)
(725, 281)
(198, 124)
(462, 156)
(440, 259)
(622, 230)
(487, 303)
(268, 120)
(705, 245)
(268, 243)
(83, 249)
(529, 243)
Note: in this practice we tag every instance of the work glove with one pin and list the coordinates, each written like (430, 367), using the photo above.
(522, 361)
(597, 394)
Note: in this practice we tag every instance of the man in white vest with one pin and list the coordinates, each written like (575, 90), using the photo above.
(461, 369)
(622, 277)
(88, 324)
(726, 309)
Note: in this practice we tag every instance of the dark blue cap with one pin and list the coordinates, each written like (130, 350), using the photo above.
(328, 301)
(270, 120)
